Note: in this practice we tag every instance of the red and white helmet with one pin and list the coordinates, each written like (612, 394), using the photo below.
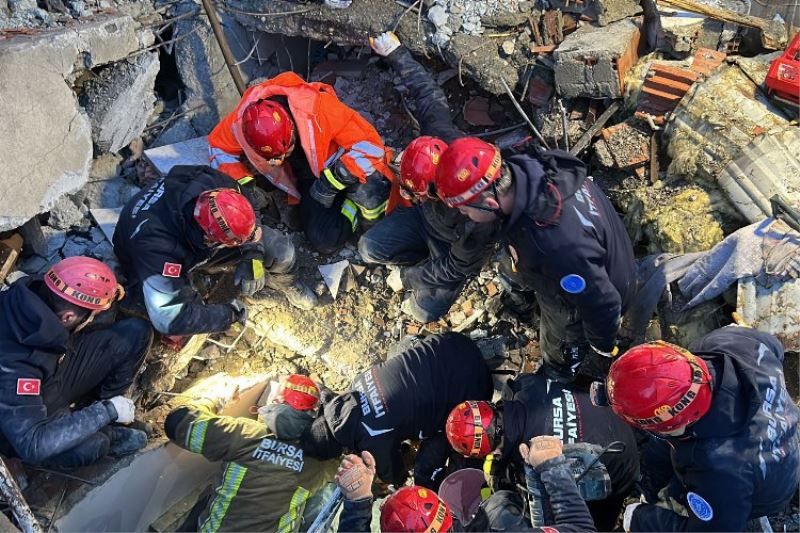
(418, 166)
(415, 509)
(468, 167)
(85, 282)
(226, 217)
(300, 392)
(659, 387)
(469, 428)
(268, 129)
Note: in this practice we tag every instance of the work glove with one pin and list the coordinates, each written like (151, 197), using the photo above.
(249, 276)
(239, 312)
(124, 408)
(355, 476)
(628, 516)
(540, 449)
(385, 43)
(783, 260)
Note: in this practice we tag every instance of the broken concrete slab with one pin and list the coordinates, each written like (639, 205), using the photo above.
(47, 149)
(592, 61)
(65, 214)
(119, 101)
(107, 220)
(191, 152)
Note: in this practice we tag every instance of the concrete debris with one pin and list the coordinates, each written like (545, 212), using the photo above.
(50, 146)
(604, 12)
(119, 101)
(333, 275)
(592, 62)
(107, 221)
(65, 214)
(628, 143)
(772, 309)
(704, 136)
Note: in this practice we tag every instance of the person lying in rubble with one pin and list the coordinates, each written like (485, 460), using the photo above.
(49, 361)
(195, 219)
(406, 397)
(267, 482)
(725, 450)
(436, 249)
(342, 166)
(533, 405)
(417, 509)
(564, 242)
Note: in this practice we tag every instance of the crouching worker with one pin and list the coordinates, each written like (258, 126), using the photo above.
(727, 448)
(191, 220)
(267, 479)
(533, 405)
(406, 397)
(47, 364)
(417, 509)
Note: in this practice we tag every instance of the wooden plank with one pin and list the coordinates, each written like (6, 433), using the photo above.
(191, 152)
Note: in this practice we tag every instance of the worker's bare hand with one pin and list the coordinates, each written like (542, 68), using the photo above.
(385, 43)
(355, 476)
(540, 449)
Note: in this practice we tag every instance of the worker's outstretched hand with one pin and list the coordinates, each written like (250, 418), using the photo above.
(540, 449)
(125, 409)
(239, 312)
(385, 43)
(355, 476)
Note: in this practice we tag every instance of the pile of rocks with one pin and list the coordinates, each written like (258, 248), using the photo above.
(470, 17)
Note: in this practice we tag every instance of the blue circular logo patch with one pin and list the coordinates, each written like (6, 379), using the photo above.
(699, 506)
(573, 283)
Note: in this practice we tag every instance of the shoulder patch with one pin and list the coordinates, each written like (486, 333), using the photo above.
(171, 270)
(573, 283)
(29, 387)
(699, 506)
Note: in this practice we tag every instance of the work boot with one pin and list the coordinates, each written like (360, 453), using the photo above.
(300, 295)
(124, 440)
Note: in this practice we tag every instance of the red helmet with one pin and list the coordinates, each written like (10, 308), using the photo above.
(418, 165)
(467, 168)
(268, 128)
(84, 281)
(415, 509)
(226, 217)
(659, 387)
(469, 428)
(300, 392)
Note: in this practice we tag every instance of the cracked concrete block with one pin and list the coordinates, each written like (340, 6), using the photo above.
(66, 214)
(592, 61)
(119, 101)
(47, 146)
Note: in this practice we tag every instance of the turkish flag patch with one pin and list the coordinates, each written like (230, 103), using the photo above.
(29, 387)
(171, 270)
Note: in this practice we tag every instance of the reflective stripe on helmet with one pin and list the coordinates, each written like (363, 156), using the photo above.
(477, 432)
(216, 214)
(438, 518)
(60, 285)
(350, 211)
(489, 177)
(665, 413)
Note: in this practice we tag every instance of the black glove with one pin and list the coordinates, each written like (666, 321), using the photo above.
(239, 312)
(249, 276)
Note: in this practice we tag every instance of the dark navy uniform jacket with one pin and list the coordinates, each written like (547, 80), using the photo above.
(565, 232)
(471, 244)
(740, 461)
(408, 397)
(32, 343)
(158, 244)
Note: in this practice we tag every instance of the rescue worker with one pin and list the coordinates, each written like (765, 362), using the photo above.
(406, 397)
(532, 405)
(340, 175)
(436, 248)
(194, 219)
(418, 509)
(47, 363)
(563, 238)
(726, 427)
(266, 480)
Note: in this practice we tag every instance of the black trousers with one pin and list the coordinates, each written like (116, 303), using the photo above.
(99, 364)
(326, 228)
